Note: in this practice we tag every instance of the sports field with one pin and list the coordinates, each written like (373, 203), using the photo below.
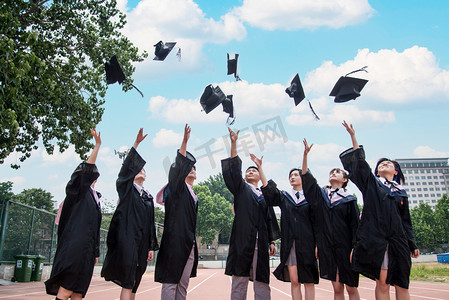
(212, 284)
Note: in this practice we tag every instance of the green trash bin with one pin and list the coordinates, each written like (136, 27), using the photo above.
(38, 266)
(24, 265)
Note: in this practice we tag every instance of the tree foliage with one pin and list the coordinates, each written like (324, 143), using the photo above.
(216, 185)
(442, 220)
(214, 214)
(37, 198)
(423, 220)
(52, 82)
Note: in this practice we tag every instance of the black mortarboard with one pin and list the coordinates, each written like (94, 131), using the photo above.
(211, 98)
(228, 107)
(115, 73)
(232, 65)
(162, 50)
(295, 90)
(348, 88)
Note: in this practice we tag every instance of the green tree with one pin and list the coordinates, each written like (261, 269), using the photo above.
(214, 214)
(5, 191)
(107, 211)
(423, 221)
(159, 215)
(216, 185)
(52, 79)
(442, 220)
(37, 198)
(5, 195)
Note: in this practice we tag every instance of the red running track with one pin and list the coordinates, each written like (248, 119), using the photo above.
(213, 284)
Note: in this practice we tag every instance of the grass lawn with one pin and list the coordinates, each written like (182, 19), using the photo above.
(435, 272)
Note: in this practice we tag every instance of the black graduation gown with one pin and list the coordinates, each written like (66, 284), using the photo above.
(132, 231)
(385, 221)
(251, 217)
(296, 227)
(335, 227)
(78, 234)
(179, 224)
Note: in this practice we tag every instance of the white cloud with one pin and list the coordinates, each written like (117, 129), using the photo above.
(16, 180)
(337, 113)
(250, 99)
(428, 152)
(154, 20)
(166, 138)
(394, 77)
(291, 14)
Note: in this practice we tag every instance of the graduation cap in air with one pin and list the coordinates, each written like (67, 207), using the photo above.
(213, 97)
(348, 88)
(162, 49)
(228, 107)
(114, 73)
(296, 92)
(232, 65)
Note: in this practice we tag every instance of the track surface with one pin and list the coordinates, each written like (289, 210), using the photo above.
(213, 284)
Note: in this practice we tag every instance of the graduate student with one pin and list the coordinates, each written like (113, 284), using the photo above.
(253, 230)
(336, 218)
(298, 260)
(131, 238)
(178, 256)
(78, 232)
(385, 239)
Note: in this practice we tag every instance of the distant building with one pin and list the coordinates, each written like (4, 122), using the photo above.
(426, 179)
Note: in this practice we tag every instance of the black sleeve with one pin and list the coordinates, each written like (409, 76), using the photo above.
(407, 223)
(232, 174)
(312, 191)
(132, 165)
(353, 221)
(272, 194)
(80, 182)
(359, 171)
(179, 171)
(97, 243)
(274, 232)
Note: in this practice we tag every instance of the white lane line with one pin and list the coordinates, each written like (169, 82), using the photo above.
(201, 283)
(425, 297)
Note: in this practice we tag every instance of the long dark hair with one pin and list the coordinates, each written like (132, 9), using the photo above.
(399, 178)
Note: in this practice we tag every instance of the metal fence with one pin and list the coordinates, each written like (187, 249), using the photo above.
(28, 230)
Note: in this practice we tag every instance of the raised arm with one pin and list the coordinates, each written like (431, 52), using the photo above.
(93, 156)
(140, 137)
(351, 132)
(307, 149)
(183, 149)
(233, 137)
(258, 162)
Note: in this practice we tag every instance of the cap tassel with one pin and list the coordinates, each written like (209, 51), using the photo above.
(137, 89)
(230, 121)
(178, 54)
(359, 70)
(311, 108)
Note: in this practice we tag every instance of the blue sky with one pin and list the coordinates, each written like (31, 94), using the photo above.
(401, 114)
